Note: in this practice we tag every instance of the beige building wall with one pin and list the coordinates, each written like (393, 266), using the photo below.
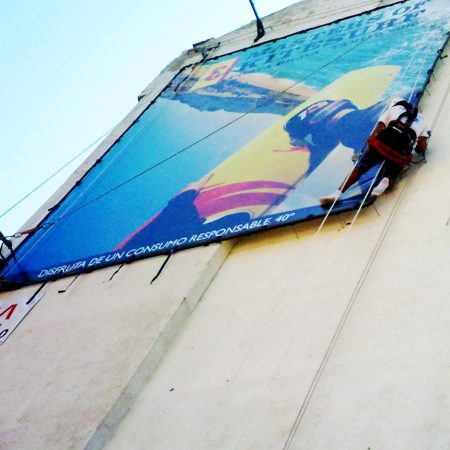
(281, 340)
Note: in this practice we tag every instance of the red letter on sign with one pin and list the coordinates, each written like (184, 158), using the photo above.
(9, 311)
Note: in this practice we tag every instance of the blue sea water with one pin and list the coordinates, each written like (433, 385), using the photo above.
(406, 35)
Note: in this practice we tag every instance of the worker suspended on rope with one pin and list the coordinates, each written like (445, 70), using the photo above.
(399, 130)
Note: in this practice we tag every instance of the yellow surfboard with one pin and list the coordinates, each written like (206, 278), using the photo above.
(254, 177)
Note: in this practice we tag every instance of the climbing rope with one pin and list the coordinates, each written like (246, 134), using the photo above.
(409, 99)
(363, 202)
(217, 130)
(348, 308)
(46, 225)
(72, 211)
(423, 159)
(205, 54)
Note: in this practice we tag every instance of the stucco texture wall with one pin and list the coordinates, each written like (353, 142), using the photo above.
(282, 340)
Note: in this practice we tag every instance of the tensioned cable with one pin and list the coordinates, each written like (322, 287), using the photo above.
(348, 308)
(117, 187)
(186, 148)
(213, 132)
(379, 170)
(50, 223)
(342, 321)
(67, 164)
(322, 223)
(47, 225)
(419, 72)
(346, 313)
(55, 173)
(210, 134)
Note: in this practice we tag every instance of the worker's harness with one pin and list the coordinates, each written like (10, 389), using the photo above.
(396, 141)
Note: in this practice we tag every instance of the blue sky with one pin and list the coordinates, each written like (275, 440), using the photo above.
(71, 70)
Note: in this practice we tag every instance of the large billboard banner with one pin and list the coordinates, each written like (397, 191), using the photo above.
(243, 142)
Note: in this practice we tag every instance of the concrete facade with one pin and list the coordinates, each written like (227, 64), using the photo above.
(281, 340)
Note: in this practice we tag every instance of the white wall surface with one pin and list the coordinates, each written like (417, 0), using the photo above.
(338, 341)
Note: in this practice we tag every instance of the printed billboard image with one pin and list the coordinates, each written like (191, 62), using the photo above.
(244, 142)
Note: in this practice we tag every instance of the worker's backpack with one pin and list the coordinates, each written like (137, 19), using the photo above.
(396, 141)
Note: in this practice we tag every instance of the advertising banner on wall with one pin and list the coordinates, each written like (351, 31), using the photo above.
(241, 143)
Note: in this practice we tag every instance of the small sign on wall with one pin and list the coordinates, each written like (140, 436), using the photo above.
(13, 310)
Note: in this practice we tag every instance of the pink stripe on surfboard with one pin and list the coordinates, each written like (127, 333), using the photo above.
(211, 201)
(217, 191)
(234, 201)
